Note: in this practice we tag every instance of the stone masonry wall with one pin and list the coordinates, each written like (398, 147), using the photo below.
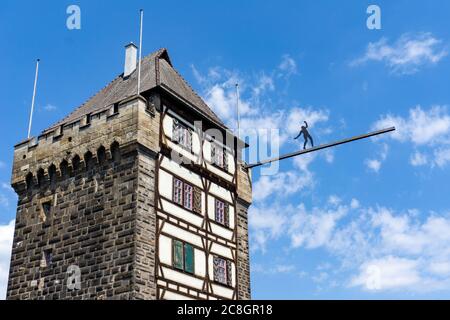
(87, 215)
(91, 225)
(243, 253)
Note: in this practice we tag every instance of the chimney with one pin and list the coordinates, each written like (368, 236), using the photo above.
(130, 59)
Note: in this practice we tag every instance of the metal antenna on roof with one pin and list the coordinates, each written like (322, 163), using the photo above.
(140, 52)
(32, 100)
(237, 111)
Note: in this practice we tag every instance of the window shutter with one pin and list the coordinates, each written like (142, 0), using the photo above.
(197, 200)
(189, 143)
(178, 254)
(188, 258)
(226, 214)
(216, 271)
(229, 273)
(175, 130)
(225, 160)
(213, 153)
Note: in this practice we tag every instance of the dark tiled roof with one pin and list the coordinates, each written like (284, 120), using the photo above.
(156, 70)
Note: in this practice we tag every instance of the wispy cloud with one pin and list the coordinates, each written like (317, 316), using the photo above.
(374, 164)
(50, 107)
(407, 54)
(287, 66)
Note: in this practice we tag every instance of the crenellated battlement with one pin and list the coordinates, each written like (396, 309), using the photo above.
(81, 139)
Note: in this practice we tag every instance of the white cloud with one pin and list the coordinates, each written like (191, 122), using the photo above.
(418, 159)
(334, 200)
(50, 107)
(373, 164)
(388, 273)
(421, 127)
(268, 125)
(282, 184)
(277, 269)
(381, 249)
(407, 55)
(354, 204)
(6, 238)
(314, 229)
(266, 223)
(298, 115)
(442, 157)
(427, 129)
(287, 67)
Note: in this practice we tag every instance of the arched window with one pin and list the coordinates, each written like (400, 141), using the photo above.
(115, 152)
(41, 177)
(76, 163)
(52, 174)
(101, 155)
(29, 180)
(64, 168)
(88, 162)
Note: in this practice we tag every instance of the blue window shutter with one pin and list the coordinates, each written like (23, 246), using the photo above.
(178, 254)
(188, 258)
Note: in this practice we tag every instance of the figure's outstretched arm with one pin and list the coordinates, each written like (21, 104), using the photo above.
(298, 135)
(306, 123)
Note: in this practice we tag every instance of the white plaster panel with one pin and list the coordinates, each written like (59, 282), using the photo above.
(182, 213)
(165, 182)
(165, 250)
(169, 295)
(182, 278)
(221, 250)
(222, 291)
(220, 192)
(187, 236)
(200, 262)
(186, 174)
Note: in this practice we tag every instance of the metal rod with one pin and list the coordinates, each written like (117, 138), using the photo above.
(323, 146)
(32, 100)
(140, 51)
(237, 111)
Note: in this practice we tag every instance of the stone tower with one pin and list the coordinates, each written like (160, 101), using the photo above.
(132, 197)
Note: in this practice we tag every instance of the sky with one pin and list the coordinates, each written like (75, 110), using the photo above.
(366, 220)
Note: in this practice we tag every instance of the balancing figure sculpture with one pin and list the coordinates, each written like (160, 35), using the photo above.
(306, 135)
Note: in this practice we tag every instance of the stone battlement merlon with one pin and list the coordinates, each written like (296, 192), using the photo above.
(114, 124)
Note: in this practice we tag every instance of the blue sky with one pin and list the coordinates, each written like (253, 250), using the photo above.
(368, 220)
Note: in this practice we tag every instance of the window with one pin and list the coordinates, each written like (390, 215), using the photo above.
(222, 271)
(219, 156)
(222, 212)
(183, 256)
(178, 191)
(182, 135)
(187, 196)
(46, 208)
(46, 259)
